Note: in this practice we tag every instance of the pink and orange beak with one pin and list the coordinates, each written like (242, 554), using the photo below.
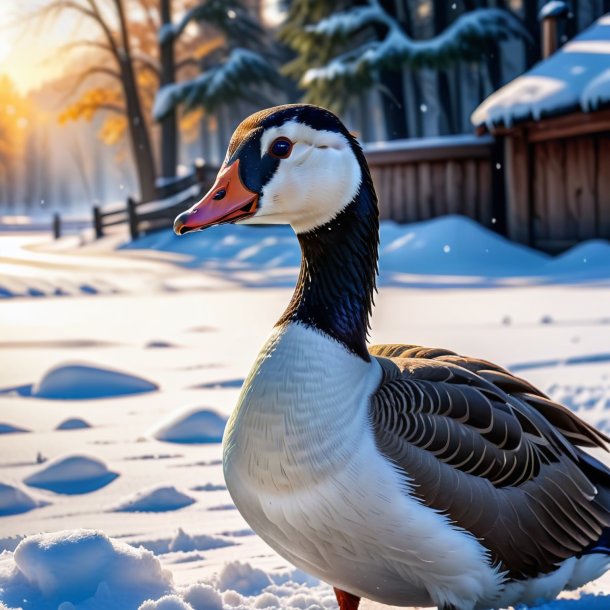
(227, 201)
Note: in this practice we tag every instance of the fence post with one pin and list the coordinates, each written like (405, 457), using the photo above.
(56, 226)
(97, 222)
(133, 218)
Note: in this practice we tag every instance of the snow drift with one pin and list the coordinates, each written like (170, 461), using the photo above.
(74, 474)
(156, 500)
(78, 381)
(14, 501)
(82, 567)
(192, 426)
(73, 423)
(450, 245)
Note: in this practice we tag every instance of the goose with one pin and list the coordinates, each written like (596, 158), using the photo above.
(396, 473)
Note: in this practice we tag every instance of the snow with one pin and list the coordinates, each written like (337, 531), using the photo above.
(576, 77)
(10, 429)
(192, 426)
(73, 423)
(554, 8)
(243, 578)
(82, 569)
(77, 381)
(462, 39)
(155, 500)
(14, 501)
(215, 296)
(73, 474)
(242, 66)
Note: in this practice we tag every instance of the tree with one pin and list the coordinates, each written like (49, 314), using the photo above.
(115, 43)
(341, 53)
(238, 68)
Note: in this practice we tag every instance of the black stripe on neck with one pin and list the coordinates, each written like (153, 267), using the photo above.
(334, 292)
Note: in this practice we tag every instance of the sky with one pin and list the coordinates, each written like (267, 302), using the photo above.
(28, 47)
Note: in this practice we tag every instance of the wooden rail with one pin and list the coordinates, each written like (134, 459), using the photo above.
(415, 180)
(423, 178)
(146, 216)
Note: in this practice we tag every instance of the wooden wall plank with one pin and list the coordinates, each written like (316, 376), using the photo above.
(540, 222)
(398, 208)
(454, 188)
(424, 191)
(439, 179)
(470, 194)
(580, 187)
(484, 189)
(603, 185)
(410, 190)
(517, 187)
(557, 209)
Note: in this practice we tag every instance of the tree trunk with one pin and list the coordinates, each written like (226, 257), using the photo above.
(392, 93)
(532, 49)
(447, 123)
(139, 137)
(169, 126)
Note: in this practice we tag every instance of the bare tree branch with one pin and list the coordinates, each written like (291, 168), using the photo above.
(95, 11)
(77, 44)
(91, 13)
(188, 61)
(85, 74)
(148, 62)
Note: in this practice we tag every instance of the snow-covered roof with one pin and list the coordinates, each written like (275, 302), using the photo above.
(576, 77)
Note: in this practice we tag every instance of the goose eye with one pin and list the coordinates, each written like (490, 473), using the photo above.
(280, 148)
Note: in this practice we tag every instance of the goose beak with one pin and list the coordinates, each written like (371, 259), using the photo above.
(227, 201)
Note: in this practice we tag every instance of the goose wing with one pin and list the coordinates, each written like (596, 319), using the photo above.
(493, 453)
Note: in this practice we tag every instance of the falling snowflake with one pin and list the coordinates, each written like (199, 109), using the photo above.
(423, 108)
(446, 249)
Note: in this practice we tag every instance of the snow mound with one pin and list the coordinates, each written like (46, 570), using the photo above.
(77, 381)
(243, 578)
(11, 429)
(195, 597)
(73, 423)
(14, 501)
(156, 500)
(183, 542)
(74, 474)
(82, 566)
(448, 245)
(591, 258)
(192, 426)
(167, 602)
(454, 245)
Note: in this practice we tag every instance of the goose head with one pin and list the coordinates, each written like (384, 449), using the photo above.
(295, 164)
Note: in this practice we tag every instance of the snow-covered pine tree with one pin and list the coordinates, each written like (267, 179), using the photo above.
(343, 48)
(238, 69)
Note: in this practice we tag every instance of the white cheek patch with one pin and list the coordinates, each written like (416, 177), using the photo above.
(316, 182)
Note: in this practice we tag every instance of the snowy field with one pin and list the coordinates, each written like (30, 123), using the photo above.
(121, 365)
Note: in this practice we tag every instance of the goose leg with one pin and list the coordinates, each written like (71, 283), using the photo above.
(346, 600)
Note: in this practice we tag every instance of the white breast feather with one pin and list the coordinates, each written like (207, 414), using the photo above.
(302, 467)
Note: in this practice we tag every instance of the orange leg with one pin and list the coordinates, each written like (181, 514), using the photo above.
(346, 600)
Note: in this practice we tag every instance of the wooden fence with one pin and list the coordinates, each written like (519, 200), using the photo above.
(420, 179)
(414, 179)
(146, 216)
(558, 180)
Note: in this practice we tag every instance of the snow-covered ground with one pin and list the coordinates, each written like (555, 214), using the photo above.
(113, 496)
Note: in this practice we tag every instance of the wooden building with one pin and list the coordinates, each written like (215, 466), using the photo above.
(554, 122)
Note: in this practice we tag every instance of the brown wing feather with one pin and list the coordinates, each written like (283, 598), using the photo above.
(492, 452)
